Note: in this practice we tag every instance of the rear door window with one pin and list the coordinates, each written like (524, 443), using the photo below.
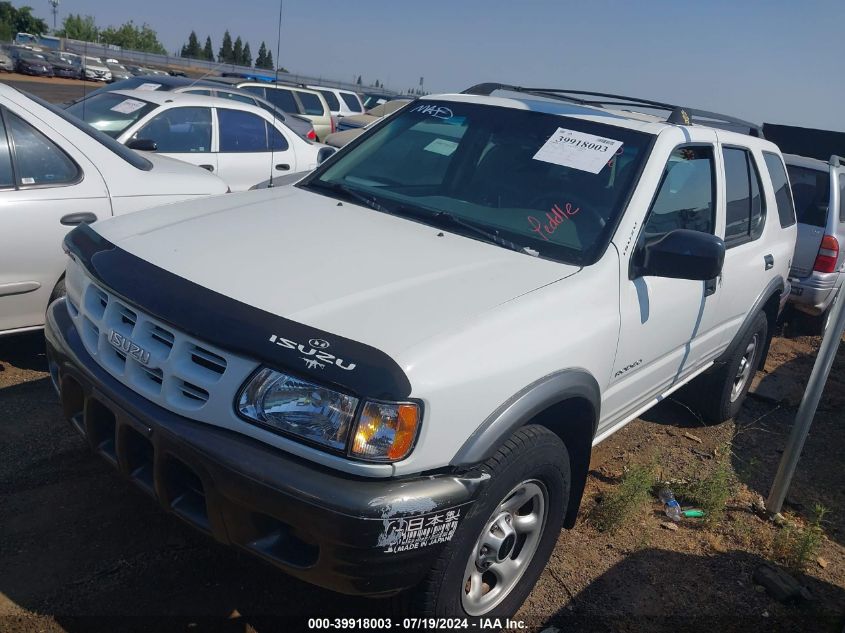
(351, 102)
(811, 190)
(331, 99)
(744, 205)
(38, 161)
(283, 99)
(311, 104)
(241, 131)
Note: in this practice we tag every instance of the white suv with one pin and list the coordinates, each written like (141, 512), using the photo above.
(390, 375)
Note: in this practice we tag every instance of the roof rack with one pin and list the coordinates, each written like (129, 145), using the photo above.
(678, 115)
(836, 161)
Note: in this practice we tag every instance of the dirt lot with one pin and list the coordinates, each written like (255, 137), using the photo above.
(82, 550)
(56, 90)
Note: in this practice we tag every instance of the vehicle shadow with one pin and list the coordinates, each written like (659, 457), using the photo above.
(24, 351)
(641, 594)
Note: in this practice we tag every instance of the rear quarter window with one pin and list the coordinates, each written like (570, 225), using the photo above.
(783, 194)
(331, 99)
(351, 102)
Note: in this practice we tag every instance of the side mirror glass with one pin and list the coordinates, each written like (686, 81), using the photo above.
(142, 144)
(683, 254)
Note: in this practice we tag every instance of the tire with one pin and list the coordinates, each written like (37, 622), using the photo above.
(59, 291)
(530, 476)
(722, 392)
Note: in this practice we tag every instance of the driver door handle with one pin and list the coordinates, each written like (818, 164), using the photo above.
(73, 219)
(282, 167)
(208, 167)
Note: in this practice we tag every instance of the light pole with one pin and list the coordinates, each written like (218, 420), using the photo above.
(54, 7)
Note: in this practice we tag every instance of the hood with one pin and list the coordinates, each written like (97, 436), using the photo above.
(378, 279)
(168, 177)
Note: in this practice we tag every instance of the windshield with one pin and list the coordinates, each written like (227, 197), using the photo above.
(811, 191)
(110, 112)
(133, 158)
(518, 175)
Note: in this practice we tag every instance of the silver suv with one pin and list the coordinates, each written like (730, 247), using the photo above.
(819, 192)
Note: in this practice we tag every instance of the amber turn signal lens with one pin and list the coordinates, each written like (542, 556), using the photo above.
(386, 431)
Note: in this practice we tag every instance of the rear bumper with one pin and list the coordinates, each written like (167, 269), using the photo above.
(352, 535)
(813, 294)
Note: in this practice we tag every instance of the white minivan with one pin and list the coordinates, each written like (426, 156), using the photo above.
(241, 143)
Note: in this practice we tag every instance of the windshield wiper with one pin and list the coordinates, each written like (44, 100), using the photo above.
(349, 192)
(492, 237)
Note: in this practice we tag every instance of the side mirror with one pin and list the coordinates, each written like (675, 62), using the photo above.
(142, 145)
(682, 254)
(324, 153)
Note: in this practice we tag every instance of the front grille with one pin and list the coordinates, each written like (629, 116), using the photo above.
(154, 359)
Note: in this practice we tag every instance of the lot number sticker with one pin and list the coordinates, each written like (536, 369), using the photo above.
(577, 150)
(442, 146)
(129, 106)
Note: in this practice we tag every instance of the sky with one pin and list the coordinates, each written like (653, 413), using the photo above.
(774, 61)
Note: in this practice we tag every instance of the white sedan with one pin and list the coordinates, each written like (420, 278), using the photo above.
(55, 173)
(241, 143)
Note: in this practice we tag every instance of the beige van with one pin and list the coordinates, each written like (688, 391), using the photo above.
(294, 100)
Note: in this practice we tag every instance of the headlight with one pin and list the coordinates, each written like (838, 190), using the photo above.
(386, 431)
(301, 408)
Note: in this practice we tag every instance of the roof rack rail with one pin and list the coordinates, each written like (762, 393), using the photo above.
(836, 161)
(678, 115)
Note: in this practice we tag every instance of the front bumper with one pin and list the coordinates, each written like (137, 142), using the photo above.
(352, 535)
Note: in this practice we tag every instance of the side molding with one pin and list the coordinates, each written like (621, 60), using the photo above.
(523, 406)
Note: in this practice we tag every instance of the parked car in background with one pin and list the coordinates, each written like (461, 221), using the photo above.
(240, 142)
(30, 63)
(63, 67)
(395, 381)
(136, 70)
(118, 71)
(57, 172)
(341, 102)
(818, 267)
(351, 127)
(299, 124)
(7, 64)
(95, 69)
(372, 99)
(302, 101)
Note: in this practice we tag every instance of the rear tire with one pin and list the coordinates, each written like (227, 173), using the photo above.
(722, 392)
(505, 540)
(59, 291)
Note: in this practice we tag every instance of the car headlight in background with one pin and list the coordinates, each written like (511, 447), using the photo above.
(383, 432)
(296, 406)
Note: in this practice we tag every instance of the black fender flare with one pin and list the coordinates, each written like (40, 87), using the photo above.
(774, 288)
(526, 405)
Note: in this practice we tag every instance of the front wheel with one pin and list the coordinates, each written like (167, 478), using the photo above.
(503, 544)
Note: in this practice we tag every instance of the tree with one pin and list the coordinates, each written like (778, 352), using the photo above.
(78, 27)
(133, 38)
(208, 51)
(21, 20)
(261, 60)
(269, 63)
(238, 52)
(225, 53)
(359, 80)
(192, 48)
(247, 56)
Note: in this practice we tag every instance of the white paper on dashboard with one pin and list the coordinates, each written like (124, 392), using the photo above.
(578, 150)
(148, 87)
(128, 106)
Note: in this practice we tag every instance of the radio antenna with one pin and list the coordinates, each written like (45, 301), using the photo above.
(270, 137)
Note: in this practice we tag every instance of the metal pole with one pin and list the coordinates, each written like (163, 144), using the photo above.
(809, 404)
